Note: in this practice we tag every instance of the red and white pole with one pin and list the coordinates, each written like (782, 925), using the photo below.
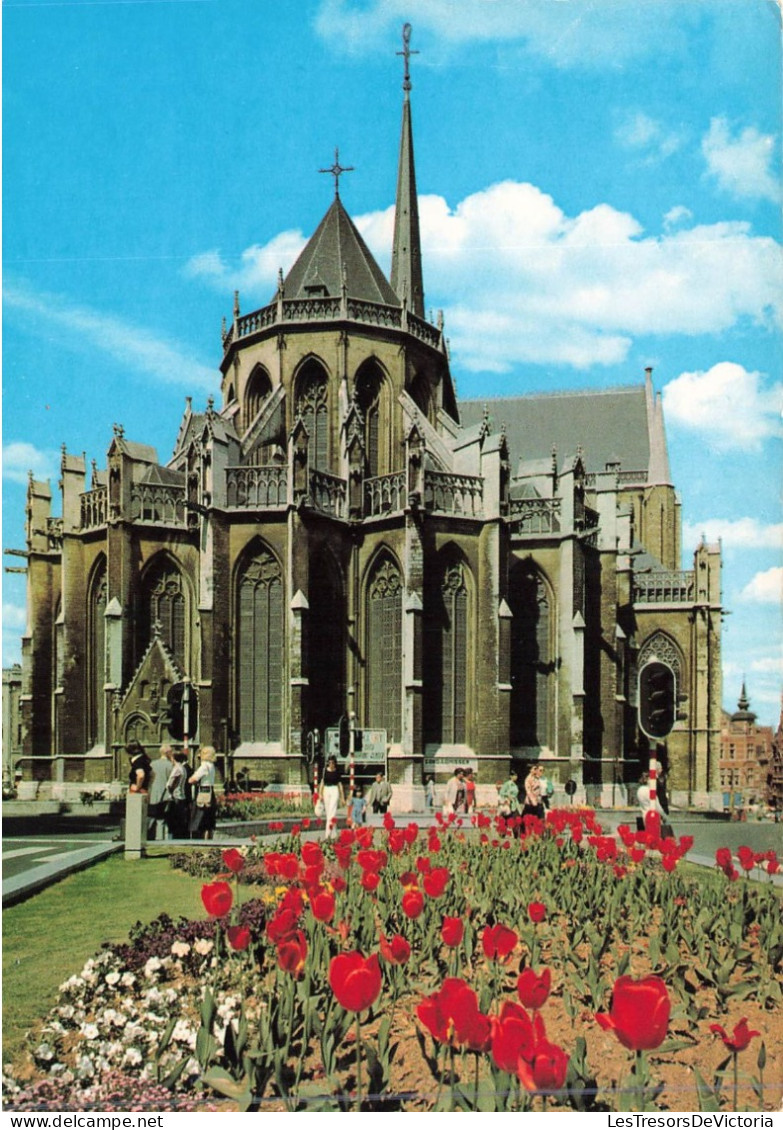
(351, 751)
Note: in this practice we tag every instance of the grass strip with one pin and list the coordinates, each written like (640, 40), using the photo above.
(49, 937)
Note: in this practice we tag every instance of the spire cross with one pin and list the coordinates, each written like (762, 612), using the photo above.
(337, 170)
(406, 53)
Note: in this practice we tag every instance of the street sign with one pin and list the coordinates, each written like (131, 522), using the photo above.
(369, 745)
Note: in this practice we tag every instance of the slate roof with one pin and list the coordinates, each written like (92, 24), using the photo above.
(609, 424)
(334, 246)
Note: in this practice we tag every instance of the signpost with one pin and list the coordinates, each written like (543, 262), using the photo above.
(657, 699)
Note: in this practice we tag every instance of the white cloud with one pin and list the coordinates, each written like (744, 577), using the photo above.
(135, 347)
(579, 33)
(741, 164)
(521, 281)
(733, 408)
(765, 588)
(20, 458)
(677, 215)
(771, 665)
(14, 616)
(735, 533)
(649, 138)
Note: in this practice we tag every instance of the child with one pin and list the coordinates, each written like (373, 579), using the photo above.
(358, 807)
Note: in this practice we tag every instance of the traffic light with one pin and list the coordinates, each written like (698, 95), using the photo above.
(345, 736)
(176, 711)
(657, 699)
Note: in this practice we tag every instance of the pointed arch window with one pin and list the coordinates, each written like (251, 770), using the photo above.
(259, 649)
(96, 655)
(531, 660)
(446, 649)
(259, 386)
(163, 608)
(369, 382)
(312, 405)
(384, 650)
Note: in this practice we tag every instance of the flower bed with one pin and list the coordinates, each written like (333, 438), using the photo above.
(260, 806)
(492, 968)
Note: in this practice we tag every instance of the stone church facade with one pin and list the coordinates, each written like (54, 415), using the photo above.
(336, 533)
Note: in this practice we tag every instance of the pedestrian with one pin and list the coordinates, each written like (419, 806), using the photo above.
(470, 792)
(160, 771)
(454, 797)
(177, 791)
(358, 807)
(547, 790)
(508, 796)
(140, 767)
(533, 805)
(203, 810)
(429, 793)
(330, 791)
(380, 794)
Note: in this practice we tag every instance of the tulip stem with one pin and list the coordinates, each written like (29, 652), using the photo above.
(736, 1080)
(358, 1063)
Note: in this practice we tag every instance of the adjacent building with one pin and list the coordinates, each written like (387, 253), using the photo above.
(746, 756)
(335, 534)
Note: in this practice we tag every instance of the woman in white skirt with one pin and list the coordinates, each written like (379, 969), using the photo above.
(331, 793)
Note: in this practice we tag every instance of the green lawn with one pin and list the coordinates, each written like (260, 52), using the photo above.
(51, 935)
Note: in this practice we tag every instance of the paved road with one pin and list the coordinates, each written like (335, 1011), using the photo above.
(29, 864)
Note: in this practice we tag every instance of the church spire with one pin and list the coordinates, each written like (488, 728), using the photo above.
(406, 277)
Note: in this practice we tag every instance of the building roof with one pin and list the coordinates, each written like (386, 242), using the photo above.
(608, 425)
(336, 253)
(406, 273)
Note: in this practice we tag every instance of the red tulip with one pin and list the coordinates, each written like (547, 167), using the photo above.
(234, 860)
(639, 1012)
(740, 1037)
(396, 950)
(452, 931)
(536, 911)
(289, 866)
(370, 880)
(322, 906)
(436, 881)
(282, 925)
(396, 841)
(238, 937)
(746, 857)
(370, 860)
(355, 980)
(512, 1036)
(544, 1069)
(452, 1016)
(669, 862)
(498, 942)
(217, 898)
(343, 854)
(292, 953)
(723, 858)
(412, 903)
(312, 855)
(533, 989)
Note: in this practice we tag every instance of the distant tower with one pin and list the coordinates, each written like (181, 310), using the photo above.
(406, 277)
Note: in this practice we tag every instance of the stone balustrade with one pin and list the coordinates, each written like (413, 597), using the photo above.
(664, 587)
(328, 493)
(93, 508)
(156, 504)
(384, 494)
(454, 494)
(257, 488)
(534, 515)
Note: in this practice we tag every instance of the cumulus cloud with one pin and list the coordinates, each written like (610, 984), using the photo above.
(20, 458)
(770, 665)
(647, 137)
(579, 33)
(741, 164)
(735, 533)
(676, 216)
(733, 408)
(521, 281)
(765, 588)
(134, 346)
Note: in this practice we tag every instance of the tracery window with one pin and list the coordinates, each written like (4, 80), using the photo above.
(326, 643)
(96, 655)
(163, 608)
(446, 651)
(312, 405)
(368, 394)
(531, 660)
(258, 389)
(259, 649)
(384, 650)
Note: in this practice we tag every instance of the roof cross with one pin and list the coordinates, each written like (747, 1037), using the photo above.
(406, 53)
(337, 170)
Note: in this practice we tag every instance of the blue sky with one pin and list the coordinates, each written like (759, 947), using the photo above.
(599, 191)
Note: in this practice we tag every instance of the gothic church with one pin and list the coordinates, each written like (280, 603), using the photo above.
(339, 534)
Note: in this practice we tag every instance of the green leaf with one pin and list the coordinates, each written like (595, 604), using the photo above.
(761, 1062)
(170, 1080)
(165, 1039)
(220, 1081)
(208, 1010)
(707, 1098)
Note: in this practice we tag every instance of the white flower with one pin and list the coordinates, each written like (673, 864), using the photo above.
(153, 967)
(133, 1032)
(132, 1057)
(180, 949)
(203, 946)
(112, 978)
(184, 1034)
(90, 1031)
(66, 1011)
(85, 1068)
(44, 1052)
(127, 980)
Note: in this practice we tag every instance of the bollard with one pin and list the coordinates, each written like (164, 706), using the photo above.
(136, 826)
